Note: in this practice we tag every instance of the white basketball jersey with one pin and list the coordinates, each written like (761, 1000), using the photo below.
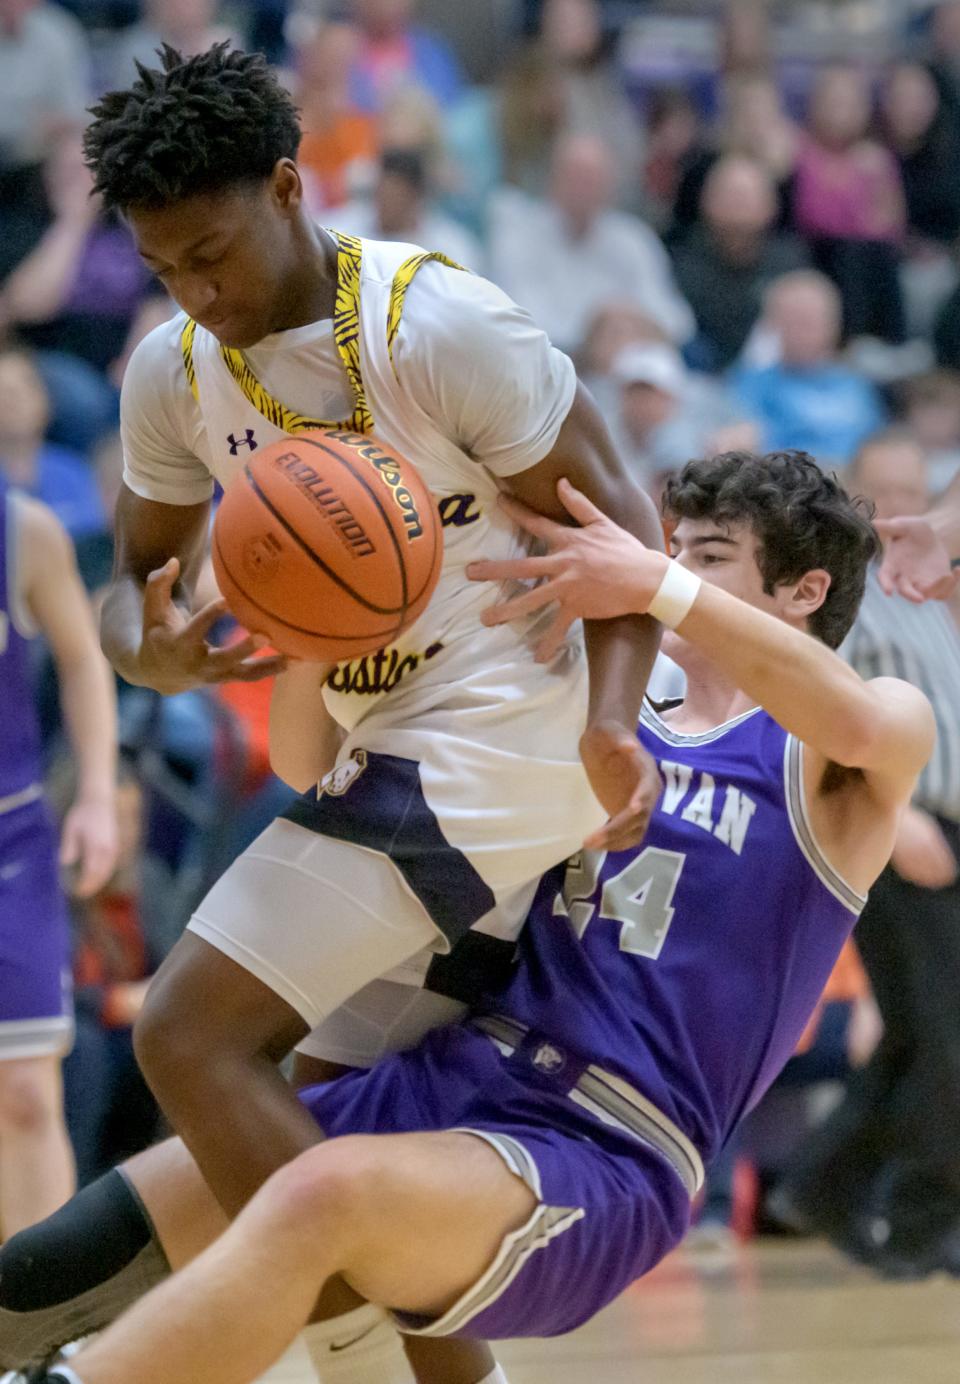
(495, 732)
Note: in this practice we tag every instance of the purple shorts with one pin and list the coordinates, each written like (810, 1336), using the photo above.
(36, 1017)
(609, 1209)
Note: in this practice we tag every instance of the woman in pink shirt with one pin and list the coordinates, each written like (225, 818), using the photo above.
(847, 185)
(848, 201)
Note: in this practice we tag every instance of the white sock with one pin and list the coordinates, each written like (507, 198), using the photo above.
(497, 1377)
(357, 1347)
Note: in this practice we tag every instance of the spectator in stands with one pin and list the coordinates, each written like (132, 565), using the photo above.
(395, 52)
(596, 102)
(565, 257)
(809, 399)
(882, 1177)
(673, 145)
(754, 123)
(61, 478)
(533, 110)
(927, 148)
(80, 289)
(44, 89)
(849, 203)
(929, 405)
(945, 65)
(190, 26)
(666, 414)
(926, 143)
(339, 148)
(401, 209)
(725, 263)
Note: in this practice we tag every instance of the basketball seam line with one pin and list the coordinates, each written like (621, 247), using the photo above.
(384, 513)
(318, 561)
(288, 624)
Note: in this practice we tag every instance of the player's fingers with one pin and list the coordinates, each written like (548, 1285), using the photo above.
(528, 519)
(555, 637)
(158, 592)
(887, 580)
(95, 869)
(911, 590)
(69, 844)
(229, 655)
(511, 569)
(199, 625)
(577, 505)
(621, 832)
(519, 606)
(253, 670)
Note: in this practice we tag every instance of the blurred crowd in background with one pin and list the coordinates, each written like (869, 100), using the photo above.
(741, 219)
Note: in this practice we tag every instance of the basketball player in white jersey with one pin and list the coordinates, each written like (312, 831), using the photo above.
(473, 768)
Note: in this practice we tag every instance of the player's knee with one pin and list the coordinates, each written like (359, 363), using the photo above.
(167, 1038)
(334, 1183)
(29, 1098)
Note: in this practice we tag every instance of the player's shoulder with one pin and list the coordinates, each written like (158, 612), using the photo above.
(458, 311)
(158, 357)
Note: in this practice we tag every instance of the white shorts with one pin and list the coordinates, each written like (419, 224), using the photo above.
(358, 883)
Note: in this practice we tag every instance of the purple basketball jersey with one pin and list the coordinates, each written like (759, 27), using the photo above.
(19, 727)
(690, 966)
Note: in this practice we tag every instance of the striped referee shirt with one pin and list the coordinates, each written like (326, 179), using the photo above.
(892, 637)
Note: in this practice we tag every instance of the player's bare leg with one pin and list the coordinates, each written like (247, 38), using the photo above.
(37, 1170)
(410, 1220)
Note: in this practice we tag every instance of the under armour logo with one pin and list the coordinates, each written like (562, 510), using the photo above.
(237, 442)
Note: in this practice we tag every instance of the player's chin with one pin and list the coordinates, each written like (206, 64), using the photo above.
(236, 333)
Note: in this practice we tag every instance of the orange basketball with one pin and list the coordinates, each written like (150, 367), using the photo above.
(328, 544)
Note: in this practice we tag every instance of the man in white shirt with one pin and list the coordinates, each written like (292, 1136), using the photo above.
(400, 208)
(567, 257)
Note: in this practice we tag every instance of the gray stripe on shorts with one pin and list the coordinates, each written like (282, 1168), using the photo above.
(544, 1225)
(35, 1037)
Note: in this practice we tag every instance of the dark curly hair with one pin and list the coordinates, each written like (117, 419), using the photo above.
(192, 126)
(803, 519)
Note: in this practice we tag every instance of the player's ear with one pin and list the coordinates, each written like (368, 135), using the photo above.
(810, 593)
(285, 185)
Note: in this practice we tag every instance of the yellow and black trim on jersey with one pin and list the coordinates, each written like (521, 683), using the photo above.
(346, 335)
(402, 280)
(186, 348)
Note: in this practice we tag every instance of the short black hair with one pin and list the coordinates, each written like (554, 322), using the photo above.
(193, 125)
(802, 517)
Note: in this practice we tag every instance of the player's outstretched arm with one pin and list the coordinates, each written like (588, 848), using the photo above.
(922, 552)
(620, 650)
(147, 629)
(61, 610)
(598, 571)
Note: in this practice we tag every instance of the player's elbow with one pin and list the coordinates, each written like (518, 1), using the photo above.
(891, 729)
(289, 767)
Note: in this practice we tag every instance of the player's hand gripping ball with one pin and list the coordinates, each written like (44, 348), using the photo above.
(328, 544)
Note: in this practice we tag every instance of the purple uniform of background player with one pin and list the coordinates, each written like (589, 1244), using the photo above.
(34, 935)
(688, 967)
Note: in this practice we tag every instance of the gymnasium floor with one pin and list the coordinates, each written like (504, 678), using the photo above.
(785, 1313)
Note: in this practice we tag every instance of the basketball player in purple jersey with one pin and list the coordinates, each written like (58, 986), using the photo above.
(514, 1173)
(40, 592)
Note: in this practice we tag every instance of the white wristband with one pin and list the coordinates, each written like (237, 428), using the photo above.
(674, 596)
